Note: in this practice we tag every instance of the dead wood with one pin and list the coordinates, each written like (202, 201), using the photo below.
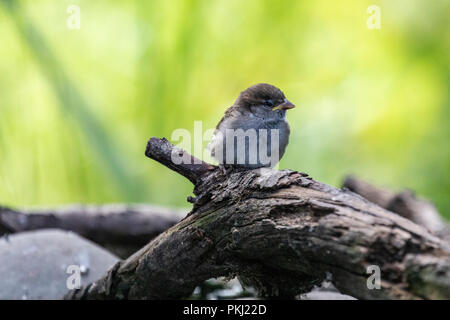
(122, 229)
(281, 232)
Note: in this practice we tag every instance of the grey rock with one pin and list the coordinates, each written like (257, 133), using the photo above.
(326, 291)
(36, 264)
(325, 295)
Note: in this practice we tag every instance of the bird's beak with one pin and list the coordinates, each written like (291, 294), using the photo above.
(285, 105)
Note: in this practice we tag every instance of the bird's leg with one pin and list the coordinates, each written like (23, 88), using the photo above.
(225, 169)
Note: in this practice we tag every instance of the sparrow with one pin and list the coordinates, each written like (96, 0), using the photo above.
(254, 131)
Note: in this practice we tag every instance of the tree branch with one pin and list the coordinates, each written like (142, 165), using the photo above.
(123, 229)
(404, 203)
(281, 232)
(164, 152)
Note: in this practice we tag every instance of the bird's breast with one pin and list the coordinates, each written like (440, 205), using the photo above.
(269, 133)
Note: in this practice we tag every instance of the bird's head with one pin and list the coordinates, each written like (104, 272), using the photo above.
(264, 98)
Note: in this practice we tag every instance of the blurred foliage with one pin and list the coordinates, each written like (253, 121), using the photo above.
(78, 106)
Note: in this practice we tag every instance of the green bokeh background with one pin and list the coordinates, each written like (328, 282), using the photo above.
(78, 106)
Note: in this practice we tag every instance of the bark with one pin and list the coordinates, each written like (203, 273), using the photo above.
(122, 229)
(281, 232)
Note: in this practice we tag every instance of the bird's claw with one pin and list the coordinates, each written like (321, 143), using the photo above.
(224, 169)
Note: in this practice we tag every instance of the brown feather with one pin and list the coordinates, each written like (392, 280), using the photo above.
(254, 95)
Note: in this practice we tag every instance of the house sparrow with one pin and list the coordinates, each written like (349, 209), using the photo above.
(254, 131)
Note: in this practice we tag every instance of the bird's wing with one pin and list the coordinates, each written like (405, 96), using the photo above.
(227, 114)
(215, 138)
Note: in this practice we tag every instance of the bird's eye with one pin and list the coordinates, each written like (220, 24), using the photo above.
(269, 102)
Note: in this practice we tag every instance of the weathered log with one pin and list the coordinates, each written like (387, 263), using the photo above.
(122, 229)
(282, 232)
(405, 203)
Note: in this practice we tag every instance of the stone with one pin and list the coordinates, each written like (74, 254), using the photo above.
(43, 264)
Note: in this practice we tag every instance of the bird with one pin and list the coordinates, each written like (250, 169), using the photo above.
(254, 131)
